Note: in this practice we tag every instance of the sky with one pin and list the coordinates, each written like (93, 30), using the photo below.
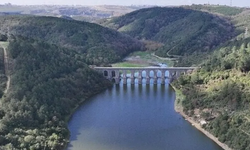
(240, 3)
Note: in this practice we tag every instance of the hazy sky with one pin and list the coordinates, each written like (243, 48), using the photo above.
(245, 3)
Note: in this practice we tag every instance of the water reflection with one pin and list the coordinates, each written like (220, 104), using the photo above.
(134, 117)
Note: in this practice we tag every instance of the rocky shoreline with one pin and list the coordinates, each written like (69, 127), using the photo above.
(178, 108)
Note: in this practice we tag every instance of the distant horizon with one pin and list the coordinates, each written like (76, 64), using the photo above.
(117, 5)
(239, 3)
(82, 5)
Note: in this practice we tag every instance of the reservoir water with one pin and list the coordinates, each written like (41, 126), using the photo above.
(134, 117)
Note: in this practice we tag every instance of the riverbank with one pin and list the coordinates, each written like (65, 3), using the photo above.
(178, 108)
(67, 118)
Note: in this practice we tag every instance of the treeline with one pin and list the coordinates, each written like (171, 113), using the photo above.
(47, 83)
(182, 31)
(218, 9)
(220, 91)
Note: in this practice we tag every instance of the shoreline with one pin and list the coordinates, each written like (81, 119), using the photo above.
(178, 109)
(68, 117)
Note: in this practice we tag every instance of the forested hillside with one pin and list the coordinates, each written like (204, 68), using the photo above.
(49, 62)
(98, 45)
(47, 82)
(182, 31)
(219, 92)
(50, 76)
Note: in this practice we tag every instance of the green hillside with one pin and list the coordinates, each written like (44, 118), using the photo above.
(49, 73)
(49, 76)
(182, 31)
(99, 45)
(219, 92)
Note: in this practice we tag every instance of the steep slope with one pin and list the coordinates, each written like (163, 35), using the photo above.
(98, 44)
(182, 31)
(49, 74)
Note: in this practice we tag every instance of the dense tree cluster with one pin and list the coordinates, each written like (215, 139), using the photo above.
(47, 83)
(99, 45)
(50, 76)
(222, 87)
(3, 37)
(182, 31)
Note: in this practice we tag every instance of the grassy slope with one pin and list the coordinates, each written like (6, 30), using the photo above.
(143, 59)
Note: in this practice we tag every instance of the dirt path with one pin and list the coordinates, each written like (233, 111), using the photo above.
(6, 70)
(163, 58)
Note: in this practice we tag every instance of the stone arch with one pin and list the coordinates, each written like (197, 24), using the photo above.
(151, 73)
(105, 73)
(151, 81)
(136, 80)
(158, 73)
(113, 73)
(167, 74)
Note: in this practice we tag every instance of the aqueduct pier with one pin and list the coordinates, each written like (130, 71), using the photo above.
(143, 73)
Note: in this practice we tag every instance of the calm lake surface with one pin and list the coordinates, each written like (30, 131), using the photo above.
(134, 117)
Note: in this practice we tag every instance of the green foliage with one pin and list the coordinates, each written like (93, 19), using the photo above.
(233, 54)
(222, 87)
(3, 37)
(50, 77)
(182, 31)
(98, 44)
(48, 82)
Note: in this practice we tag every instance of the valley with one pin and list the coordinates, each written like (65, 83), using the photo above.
(51, 77)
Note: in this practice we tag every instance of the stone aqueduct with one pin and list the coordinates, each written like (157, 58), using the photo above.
(143, 73)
